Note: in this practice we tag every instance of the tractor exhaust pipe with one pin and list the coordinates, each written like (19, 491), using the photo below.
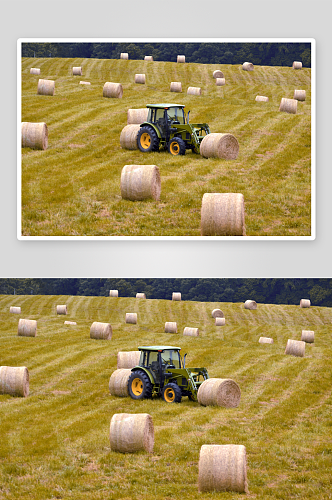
(184, 357)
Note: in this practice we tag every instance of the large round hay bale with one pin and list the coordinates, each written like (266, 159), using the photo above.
(137, 116)
(222, 467)
(265, 340)
(299, 95)
(34, 135)
(148, 58)
(114, 293)
(261, 98)
(176, 296)
(194, 91)
(140, 78)
(131, 432)
(219, 392)
(297, 65)
(15, 310)
(217, 145)
(27, 328)
(85, 83)
(308, 336)
(46, 87)
(34, 71)
(248, 66)
(295, 348)
(181, 59)
(305, 303)
(190, 332)
(77, 70)
(73, 323)
(131, 318)
(140, 182)
(217, 313)
(62, 309)
(171, 327)
(220, 321)
(250, 304)
(113, 90)
(124, 55)
(128, 136)
(118, 383)
(220, 82)
(176, 87)
(101, 331)
(14, 381)
(218, 74)
(288, 105)
(222, 214)
(128, 359)
(140, 296)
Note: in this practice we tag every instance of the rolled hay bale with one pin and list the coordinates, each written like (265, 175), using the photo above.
(85, 83)
(101, 331)
(118, 384)
(220, 82)
(220, 321)
(176, 87)
(181, 59)
(34, 135)
(218, 74)
(250, 304)
(128, 136)
(77, 70)
(222, 214)
(15, 310)
(137, 116)
(131, 432)
(124, 55)
(34, 71)
(14, 380)
(248, 66)
(299, 95)
(305, 303)
(131, 318)
(114, 293)
(176, 296)
(217, 313)
(261, 98)
(191, 332)
(128, 359)
(297, 65)
(27, 328)
(62, 309)
(265, 340)
(194, 91)
(46, 87)
(140, 296)
(70, 323)
(219, 392)
(148, 58)
(171, 327)
(140, 182)
(140, 78)
(295, 348)
(113, 90)
(217, 145)
(222, 467)
(308, 336)
(288, 105)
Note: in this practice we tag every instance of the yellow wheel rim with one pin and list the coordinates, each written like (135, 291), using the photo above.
(137, 386)
(145, 140)
(169, 395)
(174, 148)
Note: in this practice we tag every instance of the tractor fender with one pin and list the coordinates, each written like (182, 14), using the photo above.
(152, 125)
(142, 369)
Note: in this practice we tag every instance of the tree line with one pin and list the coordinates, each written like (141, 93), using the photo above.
(260, 54)
(262, 290)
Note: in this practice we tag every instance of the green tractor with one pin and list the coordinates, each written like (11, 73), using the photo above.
(162, 372)
(168, 127)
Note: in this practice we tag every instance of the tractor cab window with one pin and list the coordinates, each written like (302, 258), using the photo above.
(171, 358)
(176, 114)
(143, 361)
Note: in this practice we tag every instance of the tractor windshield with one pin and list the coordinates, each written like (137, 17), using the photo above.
(176, 114)
(171, 357)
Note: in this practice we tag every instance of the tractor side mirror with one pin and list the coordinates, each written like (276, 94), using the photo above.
(188, 117)
(184, 360)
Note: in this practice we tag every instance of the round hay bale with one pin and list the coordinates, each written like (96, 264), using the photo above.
(219, 392)
(27, 328)
(181, 59)
(220, 321)
(148, 58)
(217, 313)
(176, 296)
(140, 78)
(220, 82)
(114, 293)
(85, 83)
(140, 182)
(14, 381)
(34, 135)
(288, 105)
(308, 336)
(140, 296)
(191, 332)
(218, 74)
(297, 65)
(77, 70)
(222, 214)
(131, 432)
(131, 318)
(171, 327)
(261, 98)
(128, 359)
(265, 340)
(118, 384)
(299, 95)
(15, 310)
(101, 331)
(248, 66)
(222, 468)
(128, 136)
(137, 116)
(113, 90)
(295, 348)
(176, 87)
(305, 303)
(124, 55)
(250, 304)
(70, 323)
(217, 145)
(61, 309)
(46, 87)
(34, 71)
(194, 91)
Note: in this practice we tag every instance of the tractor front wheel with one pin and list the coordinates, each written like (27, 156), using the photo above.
(139, 385)
(172, 393)
(147, 140)
(177, 146)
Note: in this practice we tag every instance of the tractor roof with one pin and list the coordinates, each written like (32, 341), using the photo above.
(165, 106)
(157, 348)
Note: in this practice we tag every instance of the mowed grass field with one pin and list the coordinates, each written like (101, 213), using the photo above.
(73, 188)
(55, 442)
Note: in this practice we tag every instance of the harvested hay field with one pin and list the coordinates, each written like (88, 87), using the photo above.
(272, 169)
(55, 442)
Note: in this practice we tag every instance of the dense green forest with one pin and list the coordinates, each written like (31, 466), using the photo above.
(263, 290)
(262, 54)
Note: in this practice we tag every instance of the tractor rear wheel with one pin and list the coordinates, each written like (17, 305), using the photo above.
(147, 140)
(139, 385)
(177, 146)
(172, 393)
